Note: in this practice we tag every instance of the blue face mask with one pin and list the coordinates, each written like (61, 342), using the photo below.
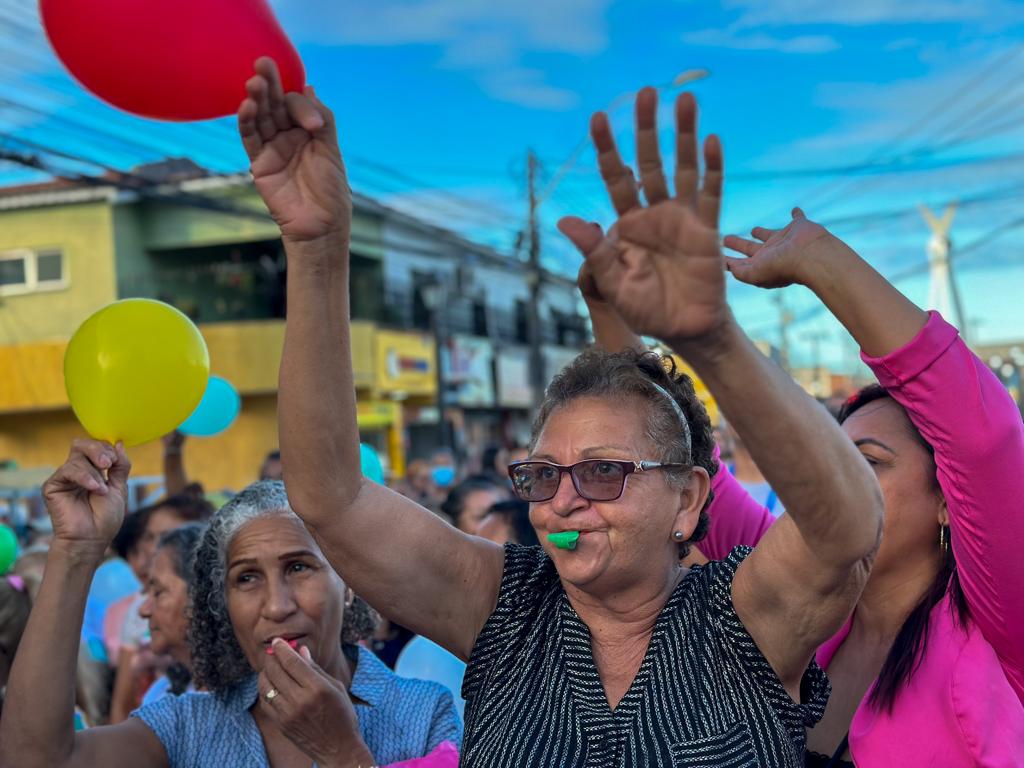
(443, 476)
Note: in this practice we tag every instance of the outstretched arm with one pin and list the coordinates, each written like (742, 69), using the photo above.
(86, 501)
(175, 479)
(952, 398)
(665, 275)
(736, 518)
(400, 557)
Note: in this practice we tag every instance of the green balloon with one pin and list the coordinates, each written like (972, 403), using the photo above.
(8, 549)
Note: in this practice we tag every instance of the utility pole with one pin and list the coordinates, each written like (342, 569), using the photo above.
(785, 319)
(535, 278)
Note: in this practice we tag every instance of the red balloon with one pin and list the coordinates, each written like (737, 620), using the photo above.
(169, 59)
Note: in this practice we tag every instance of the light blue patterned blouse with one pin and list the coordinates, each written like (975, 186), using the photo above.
(402, 719)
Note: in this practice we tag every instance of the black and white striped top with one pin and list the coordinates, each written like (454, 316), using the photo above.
(704, 695)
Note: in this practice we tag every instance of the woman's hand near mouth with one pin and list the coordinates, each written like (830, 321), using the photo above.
(311, 708)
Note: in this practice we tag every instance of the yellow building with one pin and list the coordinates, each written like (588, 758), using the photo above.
(209, 247)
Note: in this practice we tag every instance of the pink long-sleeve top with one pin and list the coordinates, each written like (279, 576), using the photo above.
(964, 705)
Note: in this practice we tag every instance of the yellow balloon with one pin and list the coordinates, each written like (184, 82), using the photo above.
(135, 370)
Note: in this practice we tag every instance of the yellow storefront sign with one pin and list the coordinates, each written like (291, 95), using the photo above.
(377, 414)
(364, 371)
(405, 363)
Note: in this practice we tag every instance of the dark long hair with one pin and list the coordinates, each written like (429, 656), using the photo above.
(907, 649)
(517, 513)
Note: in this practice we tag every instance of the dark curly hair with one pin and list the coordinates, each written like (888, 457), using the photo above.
(676, 419)
(217, 659)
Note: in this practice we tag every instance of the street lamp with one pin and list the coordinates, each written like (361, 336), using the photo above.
(684, 77)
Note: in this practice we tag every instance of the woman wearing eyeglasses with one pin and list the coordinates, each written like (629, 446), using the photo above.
(604, 651)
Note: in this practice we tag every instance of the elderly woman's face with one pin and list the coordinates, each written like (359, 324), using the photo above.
(620, 540)
(166, 607)
(279, 584)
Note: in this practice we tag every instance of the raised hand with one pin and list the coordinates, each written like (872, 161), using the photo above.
(173, 442)
(585, 277)
(780, 257)
(87, 496)
(660, 268)
(296, 165)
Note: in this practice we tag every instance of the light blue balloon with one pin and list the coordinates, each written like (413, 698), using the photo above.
(369, 462)
(216, 411)
(424, 659)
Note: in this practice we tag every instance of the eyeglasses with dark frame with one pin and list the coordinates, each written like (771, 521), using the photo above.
(593, 479)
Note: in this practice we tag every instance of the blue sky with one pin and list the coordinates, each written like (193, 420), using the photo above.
(439, 101)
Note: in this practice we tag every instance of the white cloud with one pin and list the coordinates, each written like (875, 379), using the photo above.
(487, 38)
(902, 44)
(527, 87)
(867, 115)
(777, 13)
(760, 41)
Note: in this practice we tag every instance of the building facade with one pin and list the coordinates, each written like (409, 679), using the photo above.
(433, 314)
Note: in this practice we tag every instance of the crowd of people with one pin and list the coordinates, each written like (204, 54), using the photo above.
(838, 592)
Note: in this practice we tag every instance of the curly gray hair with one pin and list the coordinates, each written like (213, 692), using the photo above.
(217, 658)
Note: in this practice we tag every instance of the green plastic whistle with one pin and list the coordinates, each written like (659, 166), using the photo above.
(564, 539)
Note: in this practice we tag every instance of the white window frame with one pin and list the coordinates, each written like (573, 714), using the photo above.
(32, 283)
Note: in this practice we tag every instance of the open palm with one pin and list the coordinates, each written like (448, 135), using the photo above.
(665, 277)
(779, 257)
(296, 165)
(659, 267)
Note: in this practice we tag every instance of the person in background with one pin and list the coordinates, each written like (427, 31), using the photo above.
(275, 643)
(17, 593)
(468, 502)
(137, 665)
(419, 486)
(746, 472)
(508, 521)
(166, 609)
(516, 453)
(271, 468)
(175, 477)
(127, 546)
(444, 470)
(15, 606)
(493, 464)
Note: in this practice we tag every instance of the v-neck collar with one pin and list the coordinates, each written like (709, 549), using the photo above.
(581, 669)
